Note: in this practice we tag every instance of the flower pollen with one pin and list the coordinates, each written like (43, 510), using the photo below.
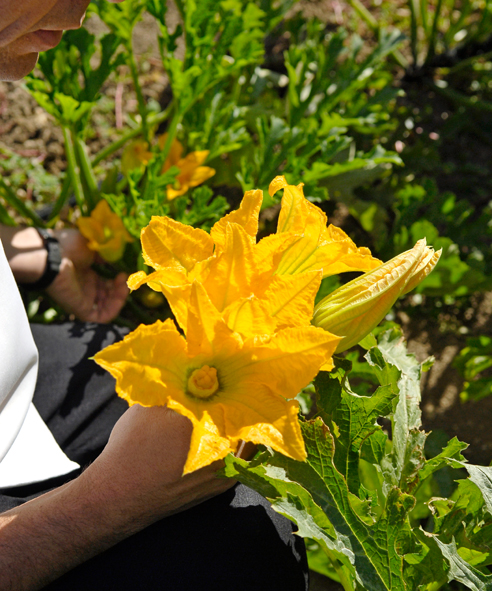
(203, 382)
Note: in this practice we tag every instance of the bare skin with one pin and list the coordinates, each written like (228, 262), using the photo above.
(129, 487)
(137, 479)
(77, 288)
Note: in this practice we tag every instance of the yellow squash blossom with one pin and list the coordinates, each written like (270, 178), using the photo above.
(135, 155)
(236, 271)
(191, 172)
(231, 388)
(105, 232)
(357, 307)
(318, 246)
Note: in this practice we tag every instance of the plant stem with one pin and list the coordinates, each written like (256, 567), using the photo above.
(413, 30)
(142, 107)
(87, 172)
(344, 580)
(432, 39)
(60, 202)
(436, 585)
(115, 146)
(19, 206)
(364, 14)
(73, 170)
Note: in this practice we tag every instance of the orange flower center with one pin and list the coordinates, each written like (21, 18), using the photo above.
(203, 382)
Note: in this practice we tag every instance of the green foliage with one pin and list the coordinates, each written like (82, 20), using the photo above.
(357, 493)
(474, 363)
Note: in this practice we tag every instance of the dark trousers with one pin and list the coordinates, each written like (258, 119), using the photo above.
(234, 541)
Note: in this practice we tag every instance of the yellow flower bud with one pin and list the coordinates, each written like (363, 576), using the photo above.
(357, 307)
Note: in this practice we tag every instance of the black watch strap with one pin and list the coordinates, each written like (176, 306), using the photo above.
(53, 262)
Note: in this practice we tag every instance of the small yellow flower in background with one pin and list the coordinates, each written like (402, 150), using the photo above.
(105, 232)
(357, 307)
(231, 388)
(135, 155)
(318, 246)
(191, 172)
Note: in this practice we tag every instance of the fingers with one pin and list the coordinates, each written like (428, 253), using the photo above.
(110, 297)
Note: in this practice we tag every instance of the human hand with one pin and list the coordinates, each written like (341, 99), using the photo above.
(78, 289)
(142, 466)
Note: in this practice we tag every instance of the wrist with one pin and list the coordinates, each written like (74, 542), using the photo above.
(27, 255)
(52, 258)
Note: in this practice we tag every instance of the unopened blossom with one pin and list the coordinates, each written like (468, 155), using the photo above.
(355, 309)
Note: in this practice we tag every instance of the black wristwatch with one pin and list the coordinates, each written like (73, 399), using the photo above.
(53, 262)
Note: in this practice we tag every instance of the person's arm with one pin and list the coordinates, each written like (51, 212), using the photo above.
(136, 481)
(77, 288)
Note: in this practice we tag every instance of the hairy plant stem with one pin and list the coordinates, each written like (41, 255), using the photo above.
(344, 580)
(74, 170)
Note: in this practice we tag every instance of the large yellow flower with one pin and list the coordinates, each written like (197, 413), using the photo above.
(238, 273)
(105, 232)
(231, 388)
(191, 172)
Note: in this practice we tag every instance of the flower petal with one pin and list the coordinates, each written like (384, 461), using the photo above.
(149, 364)
(249, 316)
(290, 299)
(200, 175)
(285, 362)
(205, 327)
(168, 243)
(231, 273)
(256, 414)
(246, 216)
(427, 263)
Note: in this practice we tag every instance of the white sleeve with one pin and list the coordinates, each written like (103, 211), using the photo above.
(28, 451)
(18, 359)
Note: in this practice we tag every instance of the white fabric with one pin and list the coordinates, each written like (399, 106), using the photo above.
(35, 455)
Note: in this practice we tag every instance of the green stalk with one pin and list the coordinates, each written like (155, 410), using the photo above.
(413, 30)
(364, 14)
(73, 170)
(19, 206)
(115, 146)
(62, 198)
(5, 217)
(142, 108)
(432, 39)
(461, 99)
(344, 580)
(436, 585)
(373, 24)
(87, 172)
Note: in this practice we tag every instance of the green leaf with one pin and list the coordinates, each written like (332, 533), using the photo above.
(368, 553)
(355, 417)
(462, 571)
(452, 451)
